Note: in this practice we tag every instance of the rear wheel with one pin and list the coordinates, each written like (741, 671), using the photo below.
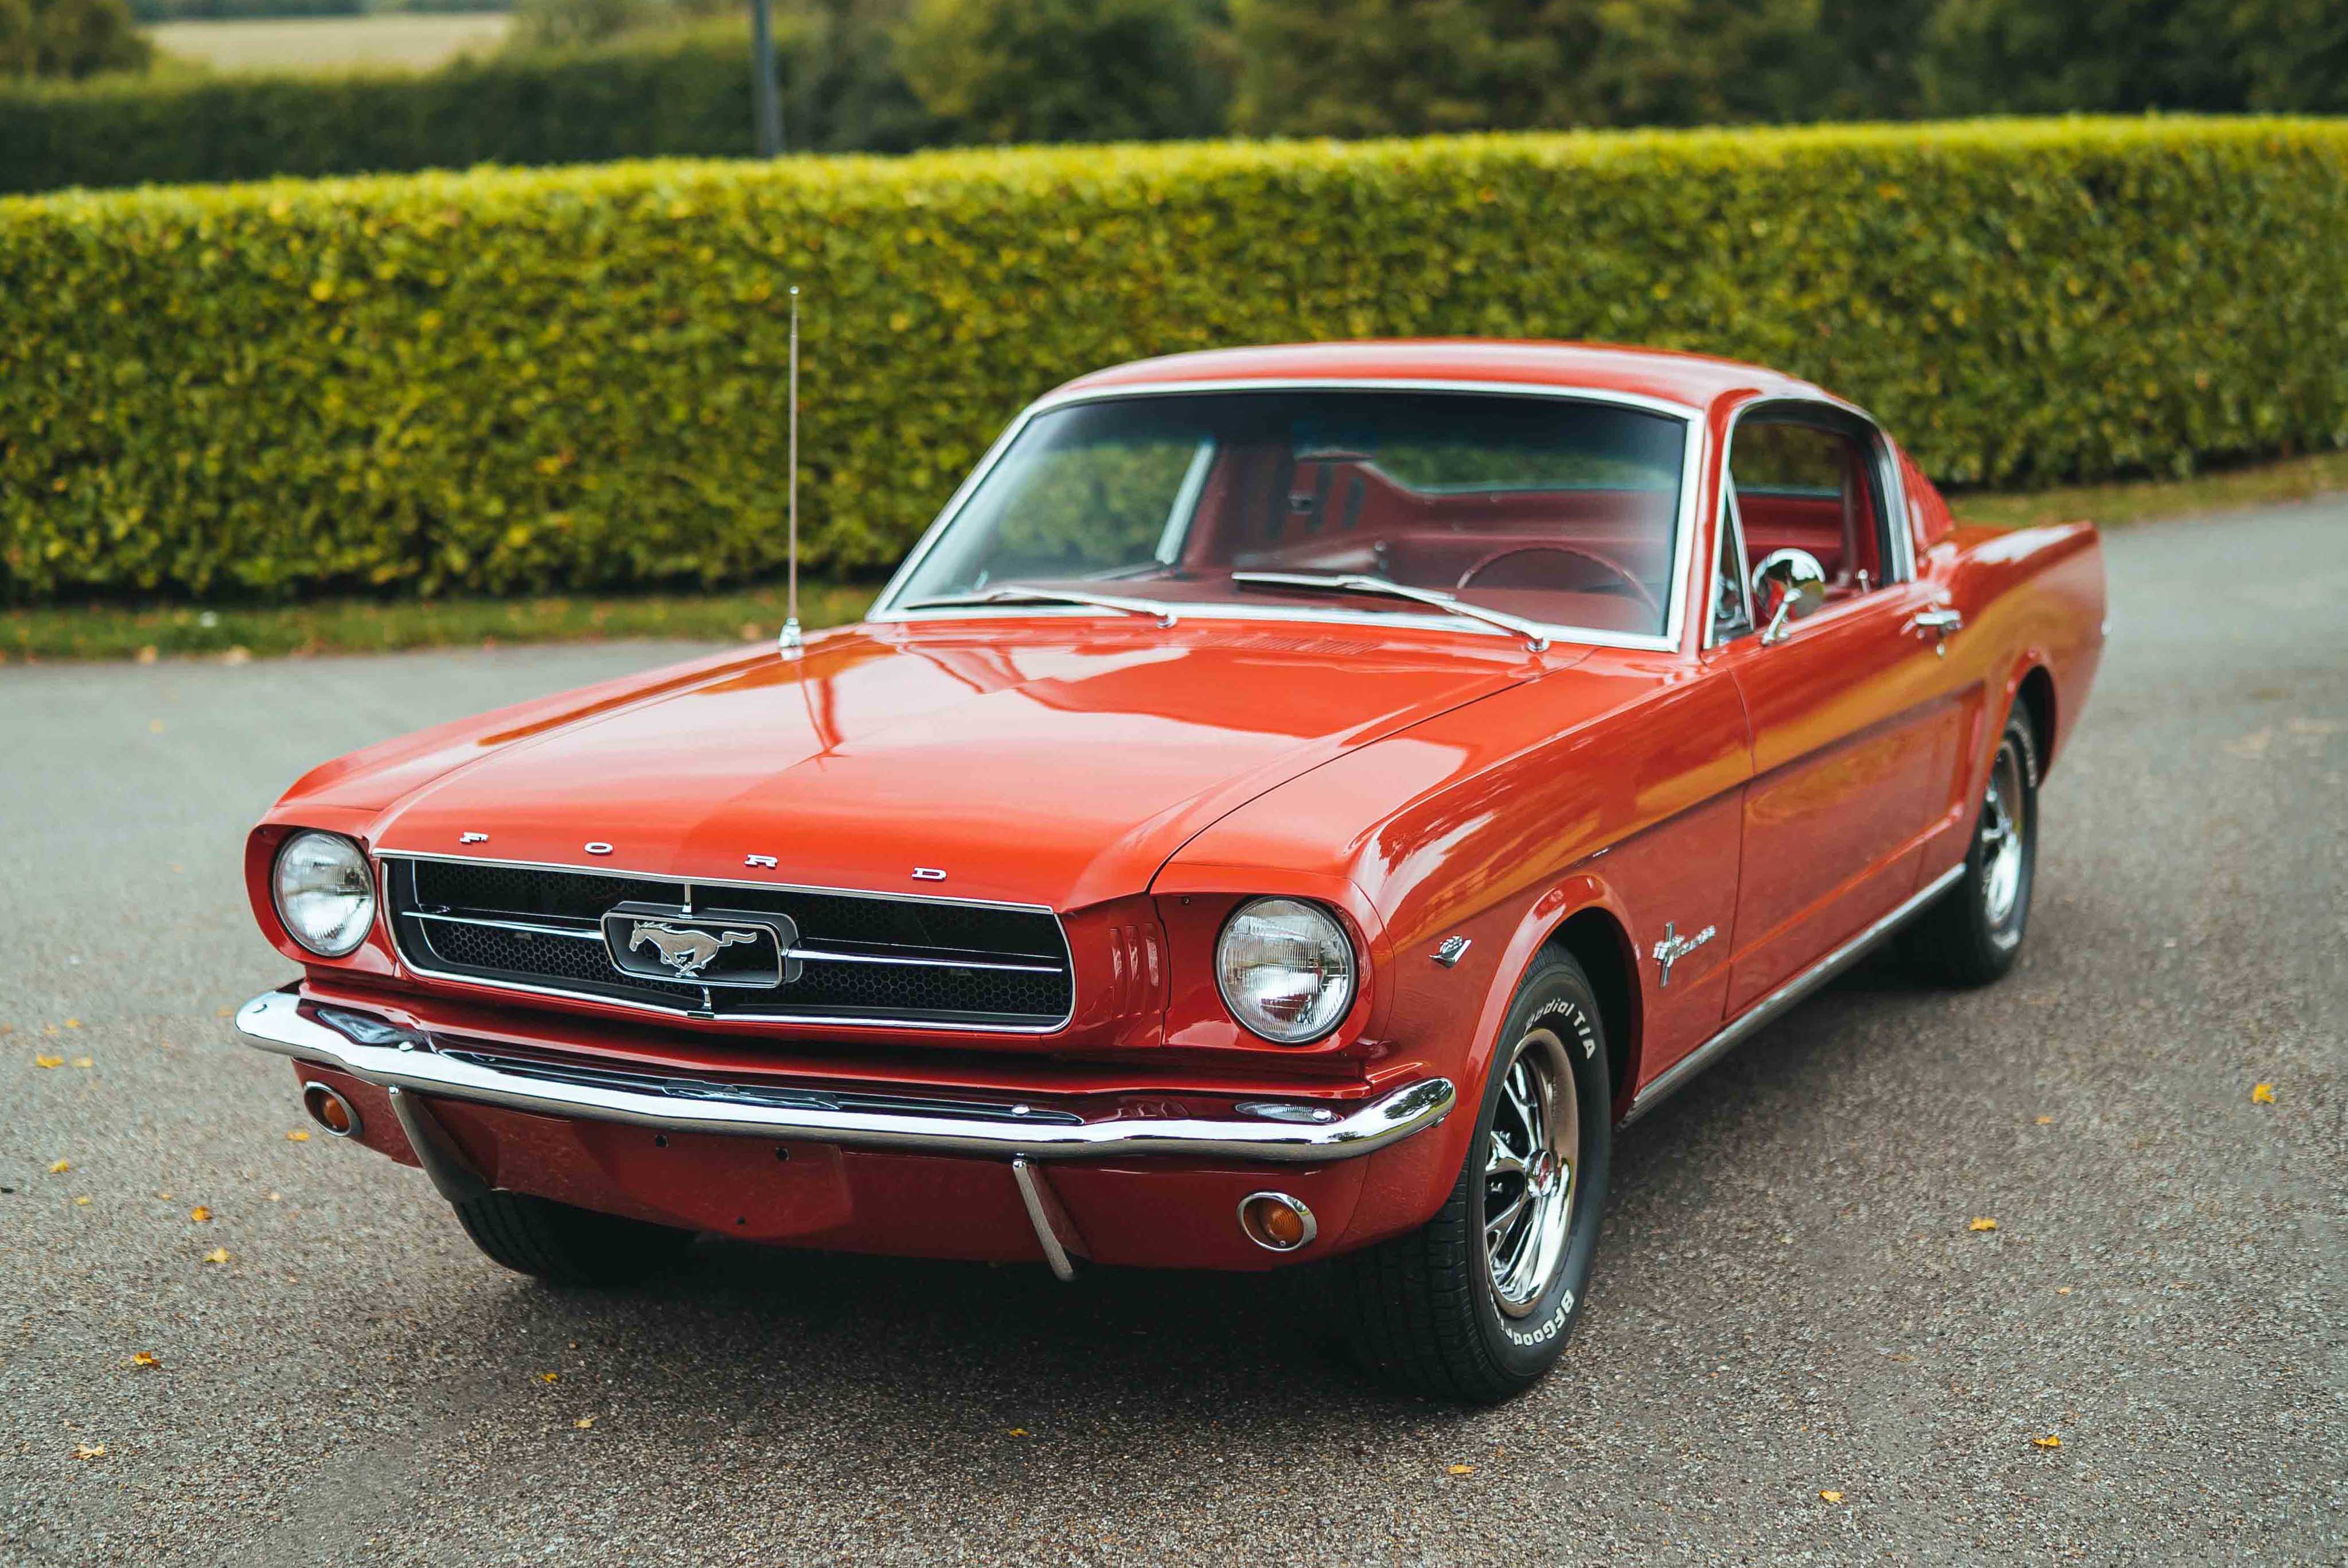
(567, 1245)
(1477, 1303)
(1971, 934)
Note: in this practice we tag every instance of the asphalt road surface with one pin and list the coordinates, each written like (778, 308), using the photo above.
(1797, 1348)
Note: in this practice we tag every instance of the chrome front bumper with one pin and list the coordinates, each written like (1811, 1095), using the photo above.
(397, 1059)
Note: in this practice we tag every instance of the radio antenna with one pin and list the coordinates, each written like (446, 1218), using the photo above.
(790, 644)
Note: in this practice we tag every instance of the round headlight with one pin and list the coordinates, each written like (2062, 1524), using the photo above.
(323, 892)
(1286, 969)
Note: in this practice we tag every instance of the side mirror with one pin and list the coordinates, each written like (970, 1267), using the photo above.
(1788, 585)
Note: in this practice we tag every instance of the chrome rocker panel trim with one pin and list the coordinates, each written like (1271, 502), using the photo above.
(273, 1022)
(1676, 1077)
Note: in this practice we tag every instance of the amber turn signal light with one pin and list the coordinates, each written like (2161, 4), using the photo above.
(1276, 1221)
(330, 1110)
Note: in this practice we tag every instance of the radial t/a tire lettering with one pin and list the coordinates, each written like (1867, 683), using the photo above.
(1477, 1303)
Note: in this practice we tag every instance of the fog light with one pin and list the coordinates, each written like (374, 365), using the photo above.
(1276, 1221)
(330, 1110)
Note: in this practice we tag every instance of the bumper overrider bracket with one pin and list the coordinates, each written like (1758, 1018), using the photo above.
(416, 1067)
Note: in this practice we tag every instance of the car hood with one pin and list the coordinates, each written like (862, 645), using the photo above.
(1016, 761)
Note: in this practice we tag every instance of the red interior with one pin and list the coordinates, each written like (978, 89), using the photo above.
(1589, 557)
(1839, 529)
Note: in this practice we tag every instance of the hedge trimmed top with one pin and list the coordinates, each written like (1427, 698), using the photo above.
(507, 380)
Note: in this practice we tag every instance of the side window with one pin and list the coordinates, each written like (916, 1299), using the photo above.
(1806, 487)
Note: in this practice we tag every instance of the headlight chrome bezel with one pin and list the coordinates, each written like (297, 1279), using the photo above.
(1321, 1018)
(346, 936)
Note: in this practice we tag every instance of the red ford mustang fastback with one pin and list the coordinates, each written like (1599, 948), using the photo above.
(1295, 804)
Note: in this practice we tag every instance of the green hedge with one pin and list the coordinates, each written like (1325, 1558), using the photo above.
(682, 95)
(503, 381)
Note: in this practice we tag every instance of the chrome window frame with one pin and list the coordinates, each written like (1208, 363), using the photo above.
(703, 1015)
(1732, 519)
(1695, 450)
(1900, 543)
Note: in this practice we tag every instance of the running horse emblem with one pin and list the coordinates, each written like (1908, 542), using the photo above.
(688, 953)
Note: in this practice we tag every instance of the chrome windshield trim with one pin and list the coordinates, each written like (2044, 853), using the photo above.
(1678, 1074)
(886, 608)
(274, 1021)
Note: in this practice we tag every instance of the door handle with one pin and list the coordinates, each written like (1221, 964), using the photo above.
(1940, 619)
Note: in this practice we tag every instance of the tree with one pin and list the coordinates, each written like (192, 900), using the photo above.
(70, 38)
(1368, 68)
(1063, 70)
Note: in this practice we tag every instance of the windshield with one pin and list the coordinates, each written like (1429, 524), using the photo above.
(1553, 509)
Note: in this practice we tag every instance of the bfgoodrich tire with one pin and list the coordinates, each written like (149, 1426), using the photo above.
(1477, 1303)
(566, 1245)
(1971, 934)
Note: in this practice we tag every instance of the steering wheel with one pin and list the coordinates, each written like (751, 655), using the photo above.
(1613, 569)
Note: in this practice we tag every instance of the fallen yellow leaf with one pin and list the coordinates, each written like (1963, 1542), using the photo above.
(81, 1203)
(1984, 1223)
(2062, 1290)
(84, 1062)
(1831, 1496)
(89, 1450)
(2263, 1093)
(145, 1358)
(2045, 1121)
(2049, 1442)
(73, 1023)
(61, 1167)
(200, 1215)
(217, 1256)
(48, 1061)
(548, 1377)
(1463, 1470)
(583, 1422)
(298, 1135)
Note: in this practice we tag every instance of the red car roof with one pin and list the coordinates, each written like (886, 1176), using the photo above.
(1695, 380)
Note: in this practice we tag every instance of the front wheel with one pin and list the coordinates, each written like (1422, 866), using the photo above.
(1476, 1304)
(564, 1245)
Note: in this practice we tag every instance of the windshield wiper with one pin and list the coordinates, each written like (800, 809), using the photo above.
(1019, 593)
(1536, 638)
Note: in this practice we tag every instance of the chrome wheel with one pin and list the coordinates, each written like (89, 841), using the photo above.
(1533, 1157)
(2003, 850)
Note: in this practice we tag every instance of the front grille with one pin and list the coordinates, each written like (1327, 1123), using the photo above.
(858, 957)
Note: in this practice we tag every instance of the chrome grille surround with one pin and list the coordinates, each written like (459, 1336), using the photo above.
(970, 966)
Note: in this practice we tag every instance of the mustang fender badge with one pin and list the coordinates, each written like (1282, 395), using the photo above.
(1675, 947)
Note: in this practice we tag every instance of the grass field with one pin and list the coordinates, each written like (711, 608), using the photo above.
(753, 615)
(399, 41)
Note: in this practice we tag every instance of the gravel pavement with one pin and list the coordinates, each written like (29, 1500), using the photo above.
(1797, 1349)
